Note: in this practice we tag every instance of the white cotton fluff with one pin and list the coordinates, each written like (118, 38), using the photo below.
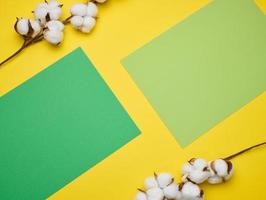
(191, 191)
(200, 163)
(187, 168)
(54, 33)
(164, 179)
(195, 170)
(214, 179)
(54, 37)
(141, 196)
(220, 167)
(40, 14)
(76, 21)
(198, 176)
(55, 13)
(55, 25)
(22, 26)
(155, 193)
(53, 4)
(221, 170)
(52, 9)
(88, 24)
(36, 27)
(83, 16)
(92, 9)
(172, 191)
(150, 182)
(79, 9)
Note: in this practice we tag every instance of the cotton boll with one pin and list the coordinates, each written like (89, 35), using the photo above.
(164, 179)
(222, 168)
(53, 4)
(150, 182)
(186, 168)
(215, 179)
(172, 191)
(54, 10)
(43, 5)
(55, 25)
(230, 172)
(200, 163)
(55, 13)
(155, 193)
(92, 9)
(85, 29)
(76, 21)
(89, 22)
(198, 176)
(191, 191)
(41, 12)
(141, 196)
(53, 36)
(79, 9)
(219, 167)
(22, 26)
(36, 27)
(196, 170)
(48, 11)
(27, 27)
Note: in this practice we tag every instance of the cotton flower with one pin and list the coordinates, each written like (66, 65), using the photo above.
(84, 24)
(27, 27)
(151, 182)
(221, 170)
(82, 9)
(54, 32)
(196, 170)
(88, 24)
(54, 37)
(172, 191)
(76, 21)
(190, 191)
(160, 187)
(164, 179)
(79, 9)
(141, 196)
(151, 194)
(155, 193)
(83, 16)
(48, 11)
(55, 25)
(161, 180)
(92, 9)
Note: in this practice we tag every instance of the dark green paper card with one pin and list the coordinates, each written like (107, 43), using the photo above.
(56, 126)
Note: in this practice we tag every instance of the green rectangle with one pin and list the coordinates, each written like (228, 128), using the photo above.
(205, 68)
(56, 126)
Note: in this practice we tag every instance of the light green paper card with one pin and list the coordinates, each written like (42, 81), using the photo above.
(56, 126)
(205, 68)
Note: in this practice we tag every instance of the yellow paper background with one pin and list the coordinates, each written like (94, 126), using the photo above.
(262, 5)
(122, 27)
